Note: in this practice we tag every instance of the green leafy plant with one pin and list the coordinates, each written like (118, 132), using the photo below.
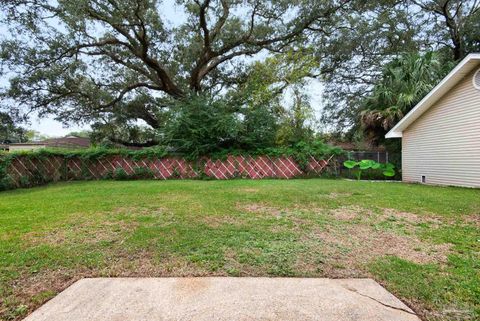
(142, 173)
(387, 169)
(120, 174)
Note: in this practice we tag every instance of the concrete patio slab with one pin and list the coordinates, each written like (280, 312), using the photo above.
(207, 299)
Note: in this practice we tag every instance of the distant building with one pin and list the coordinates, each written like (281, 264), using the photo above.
(353, 147)
(67, 142)
(15, 147)
(70, 142)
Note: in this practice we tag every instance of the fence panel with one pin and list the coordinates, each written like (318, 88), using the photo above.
(27, 171)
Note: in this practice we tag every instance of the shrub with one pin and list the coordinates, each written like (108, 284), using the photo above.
(25, 181)
(108, 175)
(38, 177)
(120, 174)
(142, 173)
(5, 183)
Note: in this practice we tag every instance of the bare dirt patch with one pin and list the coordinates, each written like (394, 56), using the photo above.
(354, 212)
(249, 190)
(48, 280)
(29, 291)
(410, 218)
(347, 248)
(261, 208)
(353, 246)
(473, 219)
(348, 213)
(32, 290)
(86, 232)
(140, 211)
(335, 195)
(288, 214)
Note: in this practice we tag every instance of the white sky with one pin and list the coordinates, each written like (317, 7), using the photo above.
(50, 127)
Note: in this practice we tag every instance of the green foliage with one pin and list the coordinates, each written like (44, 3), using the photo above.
(40, 178)
(377, 32)
(303, 151)
(115, 130)
(142, 173)
(120, 174)
(296, 122)
(36, 178)
(35, 135)
(77, 78)
(90, 153)
(5, 181)
(10, 131)
(81, 133)
(300, 152)
(387, 169)
(230, 50)
(200, 125)
(403, 83)
(258, 128)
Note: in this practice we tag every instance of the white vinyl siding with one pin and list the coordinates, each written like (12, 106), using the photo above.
(443, 144)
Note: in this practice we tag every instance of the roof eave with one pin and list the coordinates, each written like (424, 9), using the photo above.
(394, 134)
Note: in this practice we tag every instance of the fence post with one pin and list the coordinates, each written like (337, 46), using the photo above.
(65, 169)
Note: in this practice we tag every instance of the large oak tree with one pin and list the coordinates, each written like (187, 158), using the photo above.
(85, 60)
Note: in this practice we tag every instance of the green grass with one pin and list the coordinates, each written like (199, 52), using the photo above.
(50, 236)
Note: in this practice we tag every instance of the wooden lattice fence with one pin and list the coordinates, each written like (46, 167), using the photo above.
(23, 171)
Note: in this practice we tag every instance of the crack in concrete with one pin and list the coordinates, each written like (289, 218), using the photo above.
(382, 303)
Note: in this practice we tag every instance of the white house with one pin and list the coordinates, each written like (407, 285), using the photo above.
(441, 134)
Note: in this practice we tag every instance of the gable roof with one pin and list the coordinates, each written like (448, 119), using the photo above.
(68, 142)
(61, 142)
(465, 66)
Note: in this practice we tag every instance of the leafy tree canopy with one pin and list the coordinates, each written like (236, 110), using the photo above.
(9, 131)
(90, 59)
(125, 67)
(404, 82)
(384, 31)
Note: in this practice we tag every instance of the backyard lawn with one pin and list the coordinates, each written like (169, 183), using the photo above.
(422, 243)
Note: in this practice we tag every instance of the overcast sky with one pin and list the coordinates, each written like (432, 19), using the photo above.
(49, 126)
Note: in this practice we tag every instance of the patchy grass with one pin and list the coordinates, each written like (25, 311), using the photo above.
(422, 243)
